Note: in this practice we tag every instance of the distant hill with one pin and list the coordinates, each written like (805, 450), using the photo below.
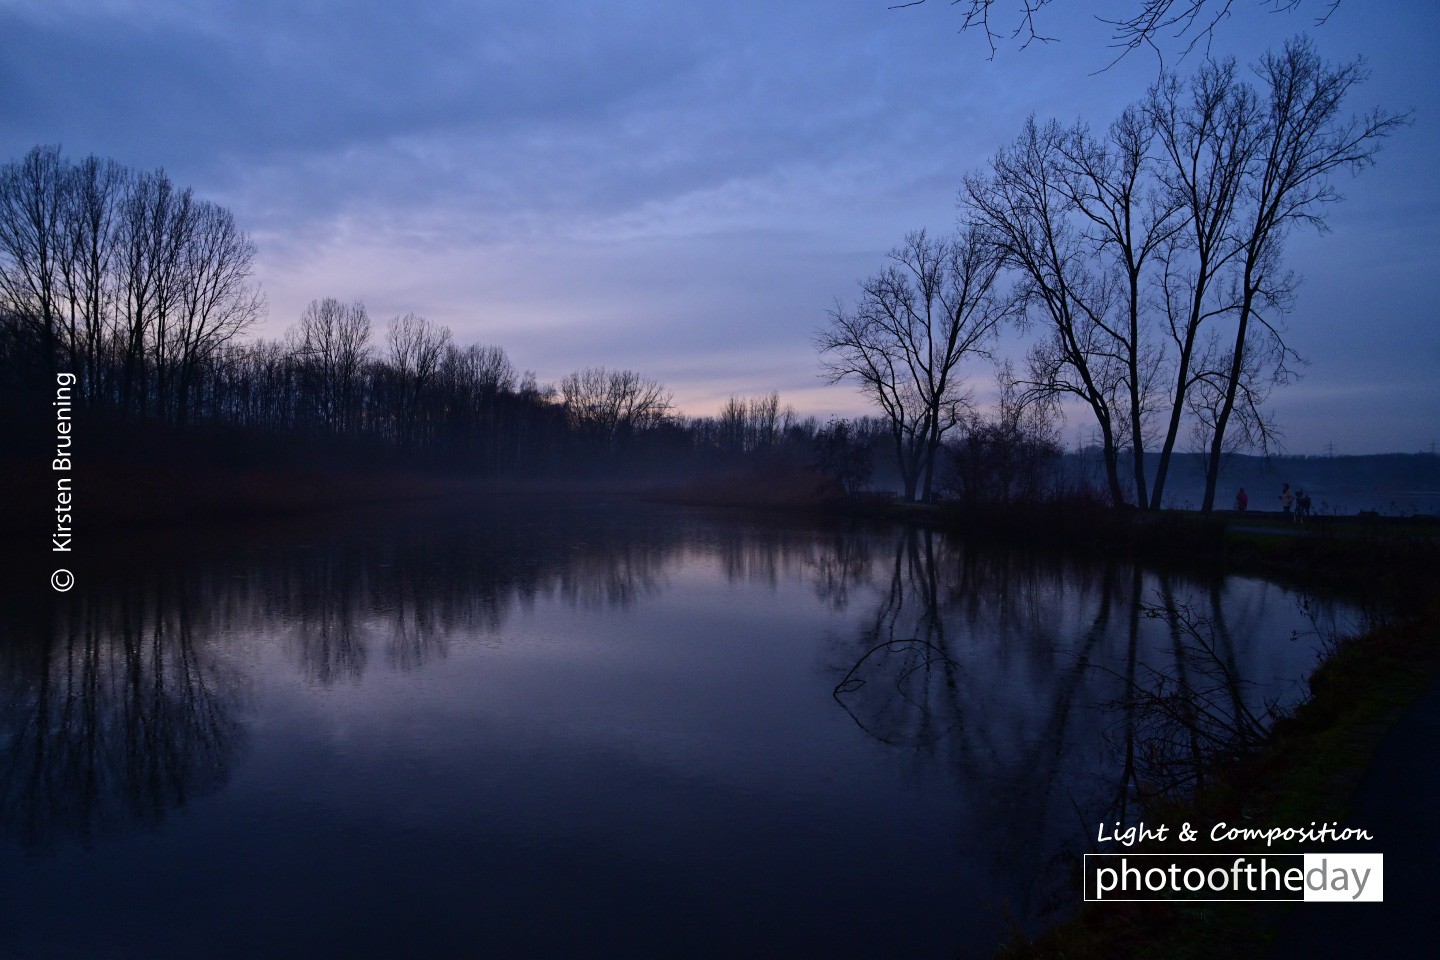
(1400, 484)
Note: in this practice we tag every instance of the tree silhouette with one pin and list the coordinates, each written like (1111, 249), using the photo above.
(936, 305)
(1146, 24)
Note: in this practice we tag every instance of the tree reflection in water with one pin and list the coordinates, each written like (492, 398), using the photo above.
(1003, 682)
(1030, 678)
(413, 591)
(113, 711)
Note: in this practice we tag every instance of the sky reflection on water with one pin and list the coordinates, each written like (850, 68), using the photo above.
(566, 732)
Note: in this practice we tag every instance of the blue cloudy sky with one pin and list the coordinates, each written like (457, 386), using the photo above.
(685, 189)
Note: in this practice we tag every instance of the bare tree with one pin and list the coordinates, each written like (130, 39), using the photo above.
(173, 227)
(1207, 134)
(1144, 252)
(610, 404)
(1303, 140)
(757, 423)
(1147, 25)
(128, 278)
(731, 425)
(417, 348)
(32, 208)
(217, 300)
(1011, 456)
(1126, 221)
(259, 383)
(472, 382)
(1022, 207)
(766, 420)
(87, 267)
(937, 304)
(332, 344)
(152, 222)
(481, 370)
(1250, 427)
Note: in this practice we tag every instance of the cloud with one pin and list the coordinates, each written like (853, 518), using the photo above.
(682, 189)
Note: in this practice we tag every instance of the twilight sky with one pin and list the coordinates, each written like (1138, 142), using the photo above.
(685, 189)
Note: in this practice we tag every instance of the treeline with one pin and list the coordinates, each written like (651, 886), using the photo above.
(414, 391)
(147, 294)
(120, 277)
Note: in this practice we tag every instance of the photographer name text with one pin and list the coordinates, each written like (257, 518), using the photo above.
(62, 541)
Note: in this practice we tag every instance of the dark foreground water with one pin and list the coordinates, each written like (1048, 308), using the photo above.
(613, 732)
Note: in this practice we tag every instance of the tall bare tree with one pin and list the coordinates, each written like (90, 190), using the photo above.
(1021, 206)
(1302, 141)
(1148, 251)
(150, 232)
(128, 278)
(173, 224)
(88, 266)
(936, 305)
(217, 297)
(32, 209)
(331, 342)
(1126, 221)
(417, 348)
(1206, 133)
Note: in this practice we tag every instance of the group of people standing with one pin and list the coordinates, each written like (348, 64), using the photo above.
(1294, 503)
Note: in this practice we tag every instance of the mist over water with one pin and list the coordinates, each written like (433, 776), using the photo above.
(516, 730)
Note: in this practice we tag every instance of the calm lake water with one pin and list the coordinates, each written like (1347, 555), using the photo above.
(528, 732)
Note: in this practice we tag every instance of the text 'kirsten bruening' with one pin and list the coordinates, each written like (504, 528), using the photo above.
(64, 528)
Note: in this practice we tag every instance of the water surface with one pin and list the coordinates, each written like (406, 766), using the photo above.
(524, 731)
